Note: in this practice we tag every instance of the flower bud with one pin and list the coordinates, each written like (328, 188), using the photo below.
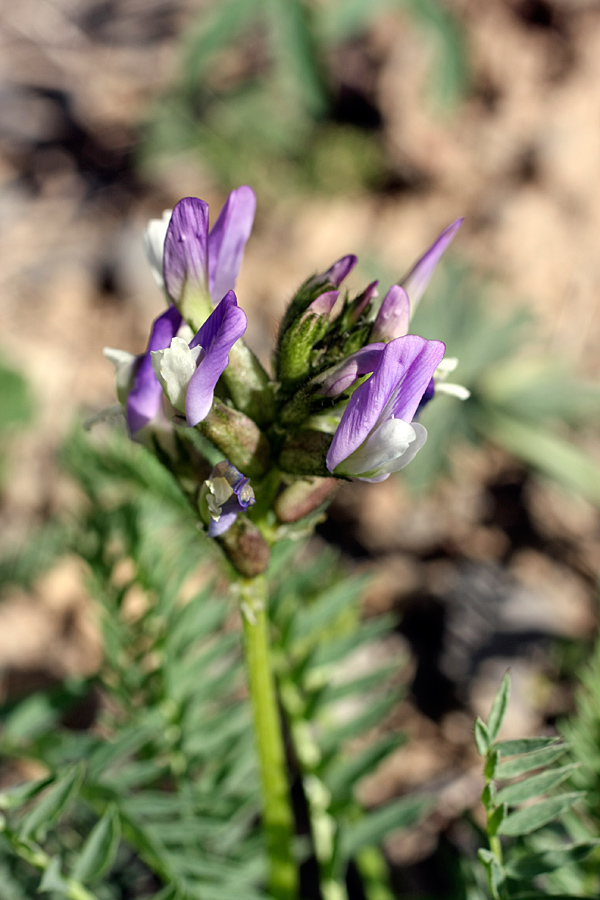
(223, 496)
(238, 437)
(298, 342)
(303, 497)
(313, 288)
(245, 547)
(304, 453)
(393, 317)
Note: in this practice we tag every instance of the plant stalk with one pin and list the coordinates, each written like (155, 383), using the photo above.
(278, 820)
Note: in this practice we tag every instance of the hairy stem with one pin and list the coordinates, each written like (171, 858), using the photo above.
(277, 811)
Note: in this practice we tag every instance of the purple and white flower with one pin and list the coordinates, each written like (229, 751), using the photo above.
(227, 494)
(402, 299)
(375, 436)
(188, 373)
(194, 258)
(137, 388)
(420, 275)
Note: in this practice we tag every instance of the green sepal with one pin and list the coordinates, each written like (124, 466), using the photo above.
(304, 296)
(249, 385)
(238, 437)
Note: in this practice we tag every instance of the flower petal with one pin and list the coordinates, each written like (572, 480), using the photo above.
(227, 240)
(393, 316)
(419, 276)
(174, 368)
(388, 449)
(222, 329)
(340, 377)
(219, 526)
(340, 270)
(154, 244)
(420, 359)
(144, 398)
(186, 247)
(398, 382)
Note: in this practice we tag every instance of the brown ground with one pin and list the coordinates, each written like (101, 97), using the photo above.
(519, 157)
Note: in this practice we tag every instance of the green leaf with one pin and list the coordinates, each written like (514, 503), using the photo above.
(99, 851)
(482, 738)
(534, 786)
(498, 710)
(495, 821)
(377, 825)
(534, 864)
(523, 745)
(52, 879)
(511, 768)
(533, 817)
(491, 764)
(53, 804)
(14, 797)
(494, 870)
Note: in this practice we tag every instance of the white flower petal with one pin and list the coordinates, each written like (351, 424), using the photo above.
(154, 244)
(219, 492)
(454, 390)
(389, 447)
(447, 365)
(174, 368)
(124, 364)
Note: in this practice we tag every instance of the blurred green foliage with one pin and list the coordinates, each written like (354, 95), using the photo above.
(16, 408)
(158, 795)
(258, 101)
(536, 849)
(531, 404)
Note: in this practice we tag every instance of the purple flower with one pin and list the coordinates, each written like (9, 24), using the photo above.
(188, 373)
(207, 263)
(402, 299)
(375, 437)
(393, 316)
(340, 377)
(420, 275)
(143, 395)
(227, 494)
(335, 274)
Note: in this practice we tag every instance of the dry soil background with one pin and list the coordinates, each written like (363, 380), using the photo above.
(492, 562)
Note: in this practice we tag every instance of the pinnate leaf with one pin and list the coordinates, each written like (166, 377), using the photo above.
(533, 817)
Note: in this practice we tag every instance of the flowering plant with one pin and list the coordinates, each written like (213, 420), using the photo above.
(259, 455)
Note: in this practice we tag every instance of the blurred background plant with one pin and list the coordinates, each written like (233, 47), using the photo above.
(266, 77)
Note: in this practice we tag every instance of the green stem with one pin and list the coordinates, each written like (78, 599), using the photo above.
(277, 811)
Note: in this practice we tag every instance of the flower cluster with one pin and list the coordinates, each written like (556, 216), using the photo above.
(348, 379)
